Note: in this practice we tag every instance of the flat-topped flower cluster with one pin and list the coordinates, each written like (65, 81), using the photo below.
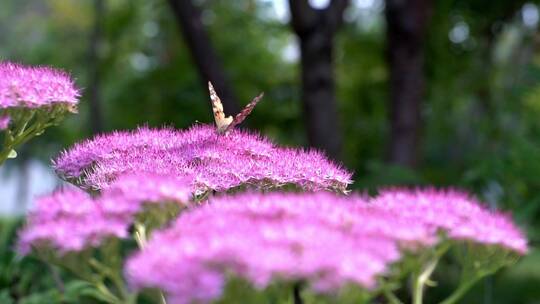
(213, 162)
(459, 215)
(71, 220)
(31, 100)
(324, 239)
(34, 87)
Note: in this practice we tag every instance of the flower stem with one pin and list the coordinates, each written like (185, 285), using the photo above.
(115, 278)
(162, 298)
(391, 297)
(108, 296)
(461, 290)
(21, 137)
(423, 278)
(141, 239)
(57, 279)
(140, 235)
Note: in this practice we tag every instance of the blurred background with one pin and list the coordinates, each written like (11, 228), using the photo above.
(415, 92)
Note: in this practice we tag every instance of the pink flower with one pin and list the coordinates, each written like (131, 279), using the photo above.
(150, 188)
(71, 220)
(456, 213)
(321, 238)
(211, 161)
(33, 87)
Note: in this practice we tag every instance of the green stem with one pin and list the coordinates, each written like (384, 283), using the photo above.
(107, 294)
(11, 142)
(391, 297)
(38, 121)
(162, 298)
(423, 278)
(461, 290)
(106, 272)
(115, 279)
(6, 148)
(119, 284)
(25, 124)
(141, 239)
(140, 235)
(57, 279)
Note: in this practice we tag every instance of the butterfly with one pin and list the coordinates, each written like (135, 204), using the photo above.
(225, 124)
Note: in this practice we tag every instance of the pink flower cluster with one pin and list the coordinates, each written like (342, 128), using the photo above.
(34, 87)
(456, 213)
(149, 187)
(72, 220)
(321, 238)
(316, 237)
(211, 161)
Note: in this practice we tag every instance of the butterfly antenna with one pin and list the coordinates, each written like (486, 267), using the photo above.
(258, 97)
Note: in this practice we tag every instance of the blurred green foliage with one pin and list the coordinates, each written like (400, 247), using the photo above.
(481, 130)
(27, 280)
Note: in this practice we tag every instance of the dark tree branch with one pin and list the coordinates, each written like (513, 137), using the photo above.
(94, 88)
(303, 16)
(316, 30)
(406, 29)
(197, 40)
(334, 13)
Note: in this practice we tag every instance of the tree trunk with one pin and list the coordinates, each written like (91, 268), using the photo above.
(406, 28)
(198, 42)
(94, 96)
(316, 29)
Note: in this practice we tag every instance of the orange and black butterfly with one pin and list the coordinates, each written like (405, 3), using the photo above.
(225, 124)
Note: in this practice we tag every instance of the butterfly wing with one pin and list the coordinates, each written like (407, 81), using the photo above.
(244, 113)
(222, 122)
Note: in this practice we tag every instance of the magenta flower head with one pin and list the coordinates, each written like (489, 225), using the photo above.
(31, 99)
(456, 213)
(319, 238)
(150, 188)
(34, 87)
(212, 161)
(71, 220)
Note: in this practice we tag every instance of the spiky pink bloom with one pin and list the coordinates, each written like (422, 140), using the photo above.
(71, 220)
(212, 161)
(33, 87)
(458, 214)
(150, 188)
(4, 122)
(321, 238)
